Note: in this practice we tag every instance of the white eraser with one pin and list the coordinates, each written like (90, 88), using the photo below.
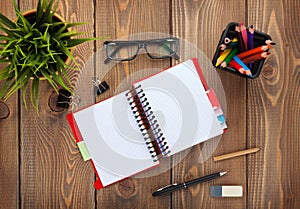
(226, 191)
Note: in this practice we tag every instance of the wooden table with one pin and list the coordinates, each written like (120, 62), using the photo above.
(41, 166)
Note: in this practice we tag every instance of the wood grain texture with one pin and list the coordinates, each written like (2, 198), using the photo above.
(9, 148)
(53, 174)
(120, 19)
(197, 22)
(274, 108)
(41, 167)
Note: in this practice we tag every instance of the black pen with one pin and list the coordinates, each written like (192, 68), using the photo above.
(174, 187)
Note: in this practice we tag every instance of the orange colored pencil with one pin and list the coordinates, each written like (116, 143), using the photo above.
(256, 57)
(256, 50)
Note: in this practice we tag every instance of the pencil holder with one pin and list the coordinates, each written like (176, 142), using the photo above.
(232, 44)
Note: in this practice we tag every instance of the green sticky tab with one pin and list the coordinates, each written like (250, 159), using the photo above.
(84, 151)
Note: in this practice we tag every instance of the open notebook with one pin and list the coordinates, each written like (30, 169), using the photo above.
(161, 115)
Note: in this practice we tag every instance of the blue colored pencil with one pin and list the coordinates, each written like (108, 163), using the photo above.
(242, 64)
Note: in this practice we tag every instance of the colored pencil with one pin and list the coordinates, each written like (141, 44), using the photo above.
(228, 43)
(250, 42)
(270, 42)
(244, 35)
(236, 154)
(240, 39)
(256, 50)
(247, 70)
(233, 64)
(222, 47)
(227, 40)
(256, 57)
(223, 56)
(229, 57)
(229, 46)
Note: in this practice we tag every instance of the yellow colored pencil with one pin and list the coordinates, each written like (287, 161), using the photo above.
(223, 56)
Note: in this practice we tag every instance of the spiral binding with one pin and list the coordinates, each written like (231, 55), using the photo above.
(147, 123)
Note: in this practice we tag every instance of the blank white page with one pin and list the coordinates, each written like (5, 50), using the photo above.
(113, 139)
(181, 106)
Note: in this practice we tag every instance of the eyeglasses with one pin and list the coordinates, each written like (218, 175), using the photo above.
(128, 50)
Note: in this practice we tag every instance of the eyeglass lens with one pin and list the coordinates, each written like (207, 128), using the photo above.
(161, 48)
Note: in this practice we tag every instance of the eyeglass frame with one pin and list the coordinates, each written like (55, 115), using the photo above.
(141, 44)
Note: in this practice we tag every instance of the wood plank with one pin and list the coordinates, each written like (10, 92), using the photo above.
(274, 109)
(53, 174)
(9, 141)
(201, 23)
(119, 19)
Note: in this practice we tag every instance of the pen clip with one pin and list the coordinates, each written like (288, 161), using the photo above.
(168, 186)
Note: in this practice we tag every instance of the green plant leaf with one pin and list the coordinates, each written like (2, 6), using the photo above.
(57, 76)
(15, 86)
(74, 42)
(8, 32)
(16, 6)
(3, 60)
(36, 49)
(48, 14)
(34, 93)
(7, 47)
(5, 87)
(4, 73)
(49, 79)
(46, 34)
(24, 24)
(39, 13)
(68, 35)
(24, 90)
(67, 26)
(7, 22)
(4, 38)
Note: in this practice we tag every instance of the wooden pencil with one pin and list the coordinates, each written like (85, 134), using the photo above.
(235, 65)
(244, 35)
(245, 67)
(256, 50)
(229, 57)
(256, 57)
(250, 42)
(242, 47)
(235, 154)
(222, 57)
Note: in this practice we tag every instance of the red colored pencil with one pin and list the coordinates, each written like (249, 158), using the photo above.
(239, 68)
(235, 65)
(256, 50)
(256, 57)
(244, 35)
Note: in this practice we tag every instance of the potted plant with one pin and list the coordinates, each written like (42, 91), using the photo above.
(36, 46)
